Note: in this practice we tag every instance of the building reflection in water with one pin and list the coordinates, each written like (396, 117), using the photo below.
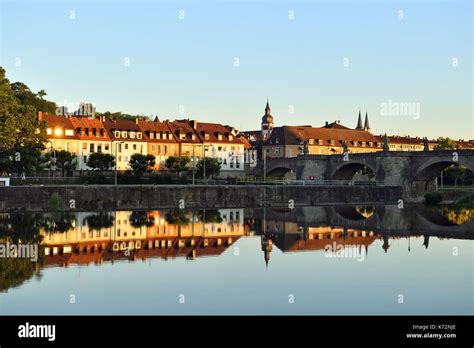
(141, 235)
(94, 238)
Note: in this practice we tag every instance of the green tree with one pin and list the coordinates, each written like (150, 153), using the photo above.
(21, 135)
(446, 144)
(65, 161)
(141, 164)
(26, 97)
(101, 161)
(177, 164)
(212, 165)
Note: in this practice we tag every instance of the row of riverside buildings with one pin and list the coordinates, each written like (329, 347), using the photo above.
(330, 139)
(235, 150)
(122, 138)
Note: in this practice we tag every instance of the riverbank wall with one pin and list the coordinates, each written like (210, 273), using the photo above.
(103, 197)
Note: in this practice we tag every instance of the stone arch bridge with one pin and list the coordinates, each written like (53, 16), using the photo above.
(415, 171)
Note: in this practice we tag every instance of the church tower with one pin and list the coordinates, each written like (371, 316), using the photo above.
(359, 122)
(366, 123)
(267, 122)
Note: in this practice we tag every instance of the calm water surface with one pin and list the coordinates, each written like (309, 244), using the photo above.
(242, 261)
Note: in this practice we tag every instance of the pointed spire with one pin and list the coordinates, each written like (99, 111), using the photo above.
(268, 110)
(366, 123)
(359, 122)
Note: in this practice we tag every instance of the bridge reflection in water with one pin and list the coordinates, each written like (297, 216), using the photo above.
(168, 234)
(280, 250)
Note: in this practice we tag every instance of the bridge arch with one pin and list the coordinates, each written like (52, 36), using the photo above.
(428, 172)
(347, 171)
(280, 172)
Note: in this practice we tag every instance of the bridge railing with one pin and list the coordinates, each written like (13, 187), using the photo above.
(283, 181)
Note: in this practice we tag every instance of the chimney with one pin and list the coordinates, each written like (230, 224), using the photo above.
(327, 123)
(136, 120)
(40, 116)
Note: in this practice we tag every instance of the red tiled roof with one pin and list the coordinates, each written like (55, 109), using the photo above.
(213, 130)
(290, 135)
(123, 125)
(335, 125)
(182, 126)
(148, 127)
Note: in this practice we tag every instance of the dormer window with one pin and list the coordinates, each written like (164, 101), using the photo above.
(231, 137)
(101, 133)
(170, 136)
(355, 143)
(132, 135)
(69, 132)
(193, 137)
(124, 134)
(311, 141)
(219, 136)
(206, 136)
(117, 134)
(157, 135)
(320, 141)
(332, 142)
(182, 136)
(371, 144)
(139, 135)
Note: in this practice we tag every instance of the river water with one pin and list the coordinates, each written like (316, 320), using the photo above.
(307, 261)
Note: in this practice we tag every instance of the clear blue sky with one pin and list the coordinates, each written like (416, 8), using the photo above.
(298, 64)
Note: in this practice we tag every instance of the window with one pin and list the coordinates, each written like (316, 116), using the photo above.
(219, 136)
(159, 149)
(99, 148)
(219, 148)
(332, 142)
(124, 134)
(231, 137)
(170, 136)
(84, 146)
(152, 147)
(106, 147)
(91, 148)
(320, 141)
(166, 149)
(311, 141)
(69, 132)
(277, 150)
(134, 146)
(117, 134)
(182, 136)
(126, 146)
(206, 136)
(139, 135)
(132, 135)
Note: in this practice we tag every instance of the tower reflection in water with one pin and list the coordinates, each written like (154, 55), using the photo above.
(94, 238)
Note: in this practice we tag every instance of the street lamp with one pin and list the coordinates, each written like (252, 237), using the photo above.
(116, 159)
